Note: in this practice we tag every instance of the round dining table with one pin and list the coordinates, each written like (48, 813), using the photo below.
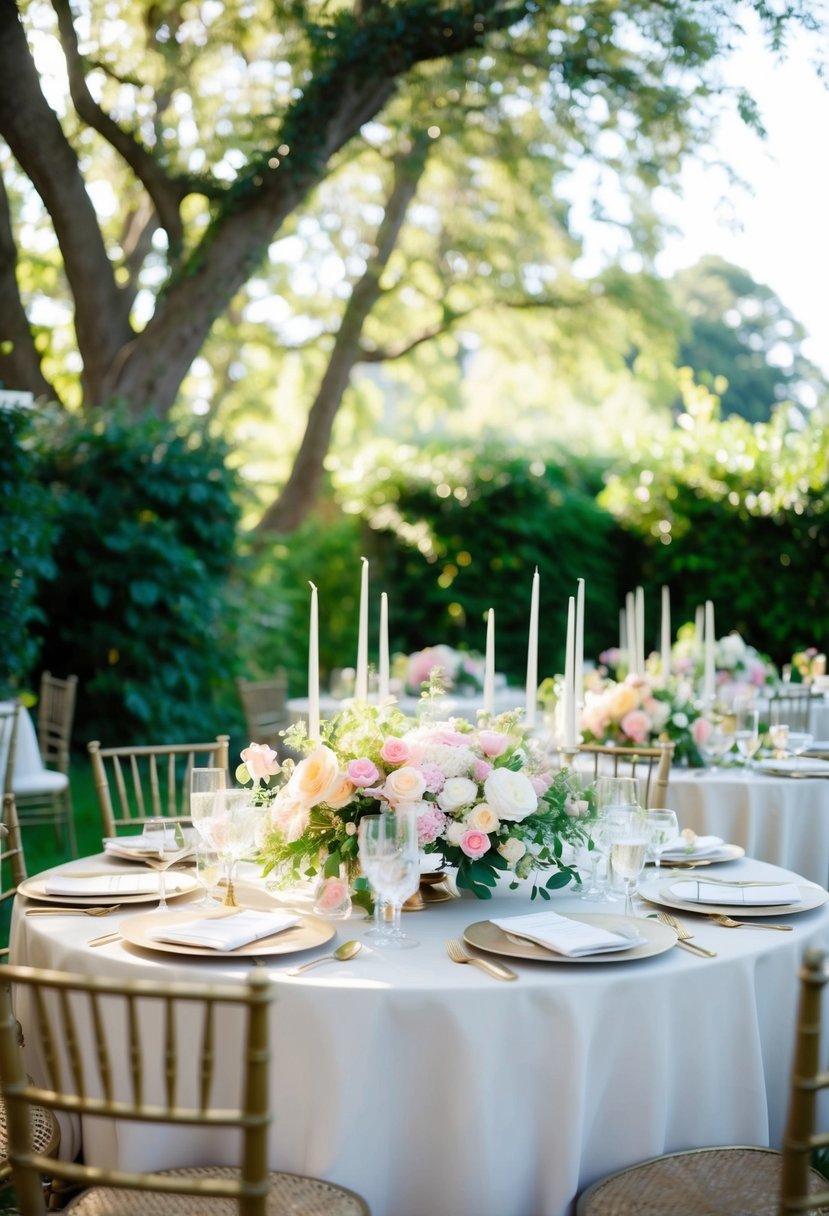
(434, 1088)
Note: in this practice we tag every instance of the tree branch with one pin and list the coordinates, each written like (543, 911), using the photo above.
(19, 360)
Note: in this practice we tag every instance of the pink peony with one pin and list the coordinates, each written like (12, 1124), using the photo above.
(433, 776)
(481, 770)
(430, 824)
(493, 742)
(362, 772)
(636, 725)
(395, 751)
(701, 730)
(475, 843)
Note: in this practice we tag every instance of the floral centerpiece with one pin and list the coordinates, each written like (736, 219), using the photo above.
(488, 800)
(807, 664)
(457, 670)
(641, 711)
(739, 667)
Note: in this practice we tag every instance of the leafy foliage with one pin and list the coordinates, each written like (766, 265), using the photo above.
(26, 566)
(147, 528)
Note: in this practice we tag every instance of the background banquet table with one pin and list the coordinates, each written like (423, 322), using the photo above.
(432, 1088)
(783, 820)
(446, 706)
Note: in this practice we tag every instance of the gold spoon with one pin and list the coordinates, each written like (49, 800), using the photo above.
(345, 951)
(730, 923)
(98, 910)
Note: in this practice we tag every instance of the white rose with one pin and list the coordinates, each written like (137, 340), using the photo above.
(680, 720)
(510, 794)
(483, 818)
(512, 850)
(406, 784)
(455, 832)
(457, 792)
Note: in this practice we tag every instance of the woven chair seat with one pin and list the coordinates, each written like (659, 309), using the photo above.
(706, 1182)
(288, 1193)
(45, 1135)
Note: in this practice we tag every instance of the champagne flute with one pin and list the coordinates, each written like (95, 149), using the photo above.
(390, 859)
(663, 827)
(205, 783)
(629, 845)
(233, 823)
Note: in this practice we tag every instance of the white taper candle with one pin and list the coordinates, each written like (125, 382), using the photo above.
(489, 666)
(569, 699)
(361, 676)
(709, 670)
(666, 634)
(313, 669)
(532, 656)
(383, 670)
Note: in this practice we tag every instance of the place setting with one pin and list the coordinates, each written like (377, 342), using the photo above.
(753, 898)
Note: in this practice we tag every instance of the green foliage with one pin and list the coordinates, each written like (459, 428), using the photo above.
(736, 514)
(147, 532)
(26, 534)
(457, 532)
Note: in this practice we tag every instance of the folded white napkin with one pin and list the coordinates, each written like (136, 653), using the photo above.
(105, 884)
(699, 847)
(228, 932)
(697, 891)
(564, 936)
(141, 847)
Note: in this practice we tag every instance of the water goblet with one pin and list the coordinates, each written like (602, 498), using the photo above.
(234, 821)
(663, 827)
(799, 742)
(779, 738)
(716, 742)
(390, 859)
(205, 783)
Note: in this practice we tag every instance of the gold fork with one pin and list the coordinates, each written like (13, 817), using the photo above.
(730, 923)
(458, 955)
(98, 910)
(684, 935)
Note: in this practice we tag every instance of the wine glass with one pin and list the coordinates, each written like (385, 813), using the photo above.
(716, 743)
(799, 742)
(233, 820)
(628, 848)
(663, 827)
(208, 870)
(390, 860)
(159, 833)
(747, 734)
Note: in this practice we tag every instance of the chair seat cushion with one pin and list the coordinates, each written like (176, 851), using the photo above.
(738, 1181)
(45, 782)
(292, 1193)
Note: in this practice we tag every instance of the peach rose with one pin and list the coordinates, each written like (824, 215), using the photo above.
(484, 818)
(406, 784)
(512, 850)
(260, 761)
(315, 777)
(341, 792)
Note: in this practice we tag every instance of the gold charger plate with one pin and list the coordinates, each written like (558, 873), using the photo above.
(726, 852)
(140, 930)
(811, 897)
(486, 936)
(178, 883)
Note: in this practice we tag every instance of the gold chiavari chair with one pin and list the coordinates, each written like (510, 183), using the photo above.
(135, 784)
(651, 765)
(792, 707)
(114, 1050)
(740, 1178)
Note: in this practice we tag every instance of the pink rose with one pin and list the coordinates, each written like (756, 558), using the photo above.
(493, 742)
(636, 725)
(331, 895)
(701, 731)
(475, 843)
(541, 782)
(395, 751)
(260, 761)
(363, 771)
(481, 770)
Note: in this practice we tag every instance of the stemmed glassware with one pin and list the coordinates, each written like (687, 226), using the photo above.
(617, 799)
(390, 860)
(628, 850)
(231, 830)
(717, 743)
(663, 827)
(159, 833)
(799, 742)
(747, 733)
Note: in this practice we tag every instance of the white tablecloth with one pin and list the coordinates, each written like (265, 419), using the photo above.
(434, 1090)
(783, 820)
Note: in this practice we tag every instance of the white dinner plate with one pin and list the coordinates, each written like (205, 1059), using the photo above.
(177, 883)
(140, 931)
(725, 852)
(486, 936)
(810, 897)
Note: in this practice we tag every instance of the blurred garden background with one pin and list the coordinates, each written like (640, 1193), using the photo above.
(286, 284)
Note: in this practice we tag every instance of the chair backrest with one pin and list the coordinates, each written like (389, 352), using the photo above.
(55, 715)
(264, 703)
(793, 707)
(132, 1066)
(9, 715)
(135, 784)
(651, 765)
(12, 861)
(808, 1078)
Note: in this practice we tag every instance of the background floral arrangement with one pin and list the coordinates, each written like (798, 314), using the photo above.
(640, 710)
(739, 667)
(487, 798)
(457, 670)
(807, 664)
